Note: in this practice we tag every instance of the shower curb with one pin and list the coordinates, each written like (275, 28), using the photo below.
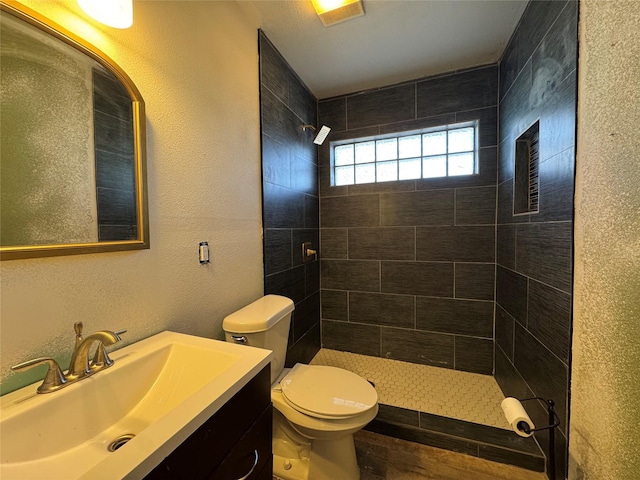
(483, 441)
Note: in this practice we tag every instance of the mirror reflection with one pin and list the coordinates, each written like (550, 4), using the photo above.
(71, 151)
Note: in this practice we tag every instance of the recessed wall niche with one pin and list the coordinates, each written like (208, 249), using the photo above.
(527, 186)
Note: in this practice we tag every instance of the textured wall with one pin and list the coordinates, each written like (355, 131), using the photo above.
(534, 251)
(605, 384)
(407, 268)
(290, 197)
(196, 66)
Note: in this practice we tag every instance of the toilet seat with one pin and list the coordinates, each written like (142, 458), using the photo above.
(327, 392)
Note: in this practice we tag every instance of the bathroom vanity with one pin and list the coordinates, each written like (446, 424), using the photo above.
(235, 443)
(172, 406)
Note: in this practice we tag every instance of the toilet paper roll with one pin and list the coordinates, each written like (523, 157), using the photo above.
(517, 416)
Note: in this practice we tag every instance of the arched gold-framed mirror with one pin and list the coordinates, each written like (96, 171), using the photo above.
(72, 153)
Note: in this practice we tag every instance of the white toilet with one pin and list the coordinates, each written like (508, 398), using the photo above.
(317, 409)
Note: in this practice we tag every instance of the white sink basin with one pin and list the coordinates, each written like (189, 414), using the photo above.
(160, 389)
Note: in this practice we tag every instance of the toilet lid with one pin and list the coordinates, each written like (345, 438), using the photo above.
(327, 392)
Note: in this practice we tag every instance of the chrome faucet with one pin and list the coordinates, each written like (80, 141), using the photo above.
(80, 366)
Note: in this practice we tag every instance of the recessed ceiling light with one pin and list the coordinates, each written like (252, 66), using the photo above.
(337, 11)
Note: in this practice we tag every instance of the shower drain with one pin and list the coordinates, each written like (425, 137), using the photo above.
(120, 441)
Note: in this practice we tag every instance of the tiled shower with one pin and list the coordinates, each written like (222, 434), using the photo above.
(434, 272)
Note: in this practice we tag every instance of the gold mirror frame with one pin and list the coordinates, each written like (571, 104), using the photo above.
(139, 133)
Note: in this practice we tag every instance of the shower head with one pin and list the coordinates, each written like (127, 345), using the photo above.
(322, 134)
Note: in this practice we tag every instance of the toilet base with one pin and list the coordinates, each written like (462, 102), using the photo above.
(328, 460)
(334, 458)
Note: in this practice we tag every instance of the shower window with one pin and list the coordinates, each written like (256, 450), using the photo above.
(446, 151)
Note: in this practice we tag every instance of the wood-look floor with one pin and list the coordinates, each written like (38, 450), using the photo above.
(385, 458)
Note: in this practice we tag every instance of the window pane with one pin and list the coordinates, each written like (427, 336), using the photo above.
(365, 152)
(434, 143)
(366, 173)
(343, 155)
(461, 140)
(461, 164)
(434, 167)
(409, 146)
(344, 175)
(387, 171)
(410, 169)
(387, 149)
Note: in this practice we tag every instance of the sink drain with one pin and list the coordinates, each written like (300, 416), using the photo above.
(120, 441)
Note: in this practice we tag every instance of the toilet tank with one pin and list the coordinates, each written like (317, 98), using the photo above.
(264, 324)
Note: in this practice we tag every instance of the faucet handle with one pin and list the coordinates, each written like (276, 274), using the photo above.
(53, 380)
(100, 358)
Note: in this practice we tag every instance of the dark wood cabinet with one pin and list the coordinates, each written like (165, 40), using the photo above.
(236, 440)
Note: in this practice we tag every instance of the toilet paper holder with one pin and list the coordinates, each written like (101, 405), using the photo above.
(554, 421)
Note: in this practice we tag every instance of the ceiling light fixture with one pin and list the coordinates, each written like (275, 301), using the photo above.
(337, 11)
(114, 13)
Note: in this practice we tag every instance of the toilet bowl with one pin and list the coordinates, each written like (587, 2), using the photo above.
(317, 409)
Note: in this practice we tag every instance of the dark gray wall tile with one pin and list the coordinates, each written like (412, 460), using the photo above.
(335, 304)
(305, 348)
(311, 211)
(306, 315)
(418, 124)
(417, 208)
(114, 171)
(506, 162)
(389, 105)
(301, 101)
(535, 23)
(278, 245)
(395, 243)
(384, 187)
(542, 370)
(504, 331)
(558, 119)
(418, 347)
(351, 337)
(455, 93)
(275, 162)
(474, 355)
(361, 275)
(476, 206)
(356, 211)
(511, 293)
(508, 67)
(510, 381)
(303, 176)
(487, 124)
(455, 244)
(510, 457)
(556, 176)
(333, 243)
(475, 281)
(411, 278)
(333, 113)
(462, 317)
(289, 283)
(515, 112)
(550, 318)
(282, 207)
(312, 277)
(506, 246)
(391, 414)
(381, 309)
(274, 71)
(424, 437)
(543, 251)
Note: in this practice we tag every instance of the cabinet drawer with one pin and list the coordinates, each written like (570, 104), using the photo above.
(251, 454)
(210, 444)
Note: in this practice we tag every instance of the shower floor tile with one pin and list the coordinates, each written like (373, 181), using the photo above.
(450, 393)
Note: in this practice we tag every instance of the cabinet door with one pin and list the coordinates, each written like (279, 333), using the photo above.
(206, 449)
(251, 454)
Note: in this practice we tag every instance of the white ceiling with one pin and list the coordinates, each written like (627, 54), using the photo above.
(396, 40)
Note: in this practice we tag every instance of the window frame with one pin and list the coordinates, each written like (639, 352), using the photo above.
(475, 124)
